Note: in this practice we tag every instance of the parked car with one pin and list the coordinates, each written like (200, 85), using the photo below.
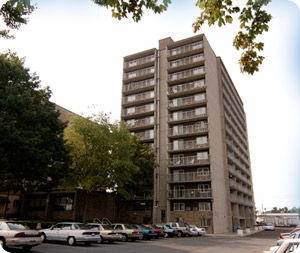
(192, 231)
(285, 235)
(158, 230)
(107, 233)
(148, 233)
(269, 226)
(288, 246)
(15, 234)
(169, 232)
(201, 231)
(295, 235)
(71, 233)
(179, 227)
(128, 231)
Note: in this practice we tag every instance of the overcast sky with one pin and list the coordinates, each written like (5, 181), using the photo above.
(77, 49)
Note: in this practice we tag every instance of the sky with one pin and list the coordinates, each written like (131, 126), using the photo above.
(77, 49)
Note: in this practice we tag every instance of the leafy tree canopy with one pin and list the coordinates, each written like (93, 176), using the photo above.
(32, 148)
(103, 154)
(15, 13)
(253, 19)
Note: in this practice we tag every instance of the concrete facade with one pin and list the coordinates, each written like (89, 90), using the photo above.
(180, 100)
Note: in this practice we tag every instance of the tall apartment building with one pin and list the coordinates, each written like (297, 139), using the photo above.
(180, 100)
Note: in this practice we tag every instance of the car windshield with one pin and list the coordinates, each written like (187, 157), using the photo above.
(16, 226)
(128, 226)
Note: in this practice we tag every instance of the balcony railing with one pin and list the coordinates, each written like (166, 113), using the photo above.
(138, 110)
(186, 74)
(184, 115)
(139, 123)
(188, 177)
(187, 160)
(187, 101)
(190, 129)
(139, 61)
(186, 61)
(189, 194)
(186, 48)
(139, 85)
(138, 97)
(186, 87)
(186, 145)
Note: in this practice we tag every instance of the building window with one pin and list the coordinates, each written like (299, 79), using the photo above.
(203, 188)
(132, 63)
(203, 171)
(204, 222)
(201, 140)
(204, 206)
(179, 207)
(131, 74)
(38, 204)
(63, 204)
(202, 155)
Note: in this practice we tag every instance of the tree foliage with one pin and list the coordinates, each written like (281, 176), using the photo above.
(104, 154)
(32, 146)
(15, 13)
(254, 20)
(121, 8)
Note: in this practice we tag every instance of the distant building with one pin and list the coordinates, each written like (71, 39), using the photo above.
(181, 101)
(279, 219)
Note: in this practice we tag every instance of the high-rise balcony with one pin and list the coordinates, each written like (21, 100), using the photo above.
(189, 194)
(186, 145)
(188, 177)
(186, 49)
(199, 127)
(139, 61)
(187, 161)
(187, 87)
(133, 111)
(189, 74)
(182, 63)
(188, 115)
(185, 101)
(139, 86)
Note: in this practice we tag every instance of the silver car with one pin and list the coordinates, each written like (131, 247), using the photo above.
(71, 233)
(107, 233)
(15, 234)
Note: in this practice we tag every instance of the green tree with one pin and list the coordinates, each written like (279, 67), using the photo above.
(102, 154)
(15, 13)
(253, 18)
(32, 146)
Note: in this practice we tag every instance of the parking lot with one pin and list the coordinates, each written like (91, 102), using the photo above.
(230, 243)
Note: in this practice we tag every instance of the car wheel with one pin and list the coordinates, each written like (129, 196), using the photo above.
(43, 236)
(125, 238)
(166, 235)
(26, 248)
(71, 241)
(180, 234)
(100, 240)
(2, 242)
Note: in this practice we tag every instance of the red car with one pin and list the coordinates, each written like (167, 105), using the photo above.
(285, 235)
(158, 230)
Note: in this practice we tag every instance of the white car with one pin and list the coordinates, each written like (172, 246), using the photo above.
(15, 234)
(288, 246)
(269, 226)
(107, 232)
(295, 235)
(200, 231)
(71, 233)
